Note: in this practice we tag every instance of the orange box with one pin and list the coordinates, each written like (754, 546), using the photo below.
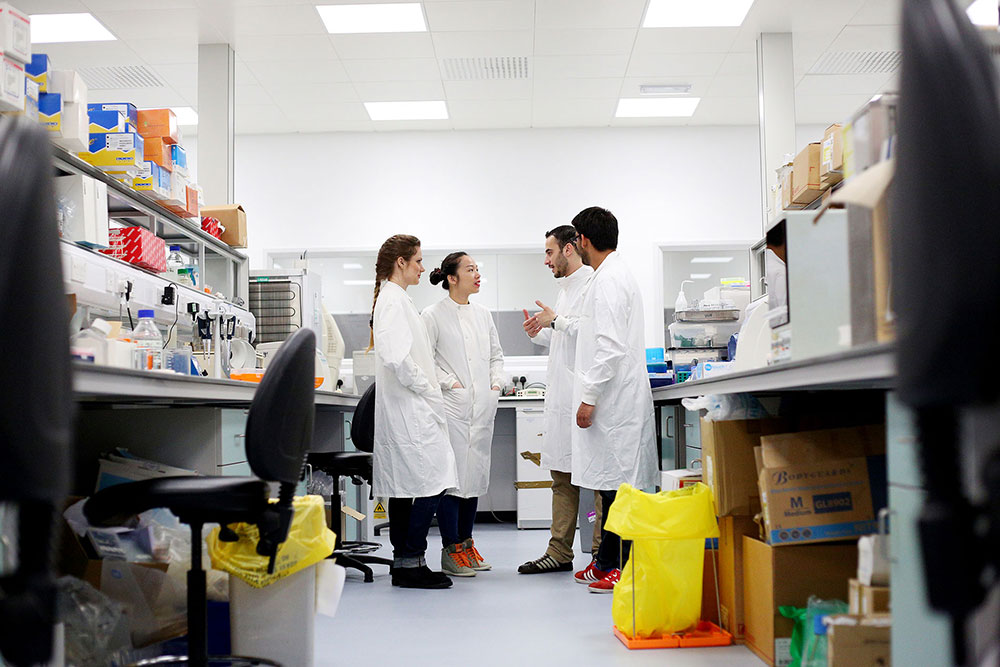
(158, 123)
(157, 150)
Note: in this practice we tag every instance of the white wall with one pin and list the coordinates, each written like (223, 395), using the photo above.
(502, 188)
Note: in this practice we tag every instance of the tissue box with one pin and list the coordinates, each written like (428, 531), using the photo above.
(178, 156)
(11, 84)
(38, 70)
(212, 226)
(138, 246)
(129, 110)
(50, 110)
(153, 180)
(157, 150)
(160, 123)
(69, 84)
(115, 149)
(15, 33)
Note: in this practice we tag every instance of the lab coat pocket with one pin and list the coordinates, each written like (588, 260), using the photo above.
(457, 403)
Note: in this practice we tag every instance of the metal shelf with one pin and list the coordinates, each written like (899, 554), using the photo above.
(868, 367)
(100, 384)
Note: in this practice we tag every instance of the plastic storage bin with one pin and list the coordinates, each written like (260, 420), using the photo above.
(716, 334)
(277, 621)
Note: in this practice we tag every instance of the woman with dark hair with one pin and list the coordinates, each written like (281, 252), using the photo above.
(469, 368)
(413, 460)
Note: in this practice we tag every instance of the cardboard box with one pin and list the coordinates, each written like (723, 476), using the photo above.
(82, 205)
(774, 577)
(31, 89)
(37, 69)
(129, 110)
(69, 84)
(157, 150)
(867, 600)
(820, 486)
(15, 33)
(831, 163)
(852, 641)
(732, 529)
(234, 219)
(160, 123)
(152, 180)
(178, 191)
(74, 135)
(138, 246)
(806, 185)
(178, 157)
(709, 588)
(189, 208)
(727, 455)
(11, 84)
(50, 110)
(115, 149)
(672, 480)
(107, 122)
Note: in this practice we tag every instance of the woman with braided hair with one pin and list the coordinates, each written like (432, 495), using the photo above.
(413, 459)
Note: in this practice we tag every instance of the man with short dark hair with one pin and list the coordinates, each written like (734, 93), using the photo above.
(615, 442)
(556, 329)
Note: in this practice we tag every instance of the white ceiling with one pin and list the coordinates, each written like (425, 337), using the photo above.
(583, 55)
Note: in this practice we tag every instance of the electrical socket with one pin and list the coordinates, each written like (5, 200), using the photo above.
(110, 280)
(78, 270)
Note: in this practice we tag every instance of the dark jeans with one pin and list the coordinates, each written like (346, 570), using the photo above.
(409, 521)
(455, 519)
(607, 555)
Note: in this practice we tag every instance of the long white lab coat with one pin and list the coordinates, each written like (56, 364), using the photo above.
(412, 454)
(467, 351)
(560, 411)
(620, 445)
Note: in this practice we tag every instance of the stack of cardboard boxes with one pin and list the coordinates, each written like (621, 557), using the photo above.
(791, 507)
(817, 168)
(15, 54)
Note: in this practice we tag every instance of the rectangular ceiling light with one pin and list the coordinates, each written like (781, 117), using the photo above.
(350, 266)
(185, 115)
(696, 13)
(656, 107)
(53, 28)
(984, 13)
(657, 89)
(353, 19)
(407, 110)
(700, 276)
(711, 260)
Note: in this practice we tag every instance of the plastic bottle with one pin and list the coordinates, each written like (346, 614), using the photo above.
(681, 304)
(91, 344)
(148, 342)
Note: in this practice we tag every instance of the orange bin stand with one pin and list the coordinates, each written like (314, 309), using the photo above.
(703, 634)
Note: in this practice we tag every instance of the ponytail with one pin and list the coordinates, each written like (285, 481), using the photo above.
(400, 245)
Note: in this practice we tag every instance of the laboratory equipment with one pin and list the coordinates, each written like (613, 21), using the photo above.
(92, 343)
(175, 261)
(148, 343)
(681, 303)
(284, 302)
(332, 346)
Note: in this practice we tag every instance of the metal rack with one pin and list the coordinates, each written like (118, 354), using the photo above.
(226, 269)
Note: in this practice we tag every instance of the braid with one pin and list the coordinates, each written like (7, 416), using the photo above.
(400, 245)
(371, 322)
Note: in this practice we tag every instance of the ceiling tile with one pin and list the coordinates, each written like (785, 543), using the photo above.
(328, 125)
(327, 111)
(399, 91)
(739, 63)
(867, 37)
(841, 84)
(114, 5)
(284, 48)
(573, 113)
(89, 54)
(140, 22)
(400, 45)
(404, 125)
(685, 40)
(741, 110)
(243, 74)
(483, 44)
(807, 47)
(550, 42)
(177, 75)
(252, 95)
(675, 64)
(553, 89)
(588, 13)
(490, 113)
(312, 97)
(733, 85)
(51, 6)
(166, 51)
(878, 12)
(143, 98)
(488, 90)
(419, 69)
(260, 119)
(560, 67)
(651, 122)
(826, 109)
(276, 20)
(270, 73)
(470, 15)
(699, 84)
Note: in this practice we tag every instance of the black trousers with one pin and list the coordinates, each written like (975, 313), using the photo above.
(409, 521)
(608, 557)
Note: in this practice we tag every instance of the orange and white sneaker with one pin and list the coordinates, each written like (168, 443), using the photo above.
(607, 584)
(455, 562)
(590, 574)
(474, 558)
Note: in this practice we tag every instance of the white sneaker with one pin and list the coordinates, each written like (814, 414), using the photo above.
(455, 563)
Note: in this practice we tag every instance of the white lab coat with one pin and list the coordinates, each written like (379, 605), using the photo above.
(412, 454)
(620, 445)
(560, 411)
(467, 351)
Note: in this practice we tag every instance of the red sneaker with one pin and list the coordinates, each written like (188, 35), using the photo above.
(590, 574)
(607, 584)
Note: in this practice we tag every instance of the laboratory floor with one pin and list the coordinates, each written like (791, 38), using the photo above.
(499, 617)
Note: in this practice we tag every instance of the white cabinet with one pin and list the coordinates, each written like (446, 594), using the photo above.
(533, 483)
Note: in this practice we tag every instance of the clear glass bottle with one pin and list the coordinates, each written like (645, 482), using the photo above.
(175, 260)
(148, 341)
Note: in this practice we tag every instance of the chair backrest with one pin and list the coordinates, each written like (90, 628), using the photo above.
(363, 422)
(36, 416)
(280, 424)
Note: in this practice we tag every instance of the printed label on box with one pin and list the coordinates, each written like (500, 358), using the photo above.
(13, 79)
(782, 651)
(120, 142)
(22, 35)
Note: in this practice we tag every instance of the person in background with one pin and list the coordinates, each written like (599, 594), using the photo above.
(556, 329)
(615, 442)
(413, 460)
(469, 364)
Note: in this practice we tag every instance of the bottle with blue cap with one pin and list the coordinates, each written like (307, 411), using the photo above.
(148, 342)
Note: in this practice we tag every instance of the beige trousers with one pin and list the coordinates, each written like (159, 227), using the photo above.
(565, 508)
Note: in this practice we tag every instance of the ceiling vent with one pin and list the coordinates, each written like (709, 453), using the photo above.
(485, 69)
(857, 62)
(126, 76)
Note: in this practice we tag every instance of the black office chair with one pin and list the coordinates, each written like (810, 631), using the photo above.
(357, 466)
(36, 415)
(278, 434)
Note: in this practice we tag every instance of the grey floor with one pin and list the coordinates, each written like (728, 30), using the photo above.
(496, 618)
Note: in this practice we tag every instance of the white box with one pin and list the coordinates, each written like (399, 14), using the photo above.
(673, 480)
(70, 85)
(75, 135)
(178, 190)
(15, 33)
(82, 203)
(11, 84)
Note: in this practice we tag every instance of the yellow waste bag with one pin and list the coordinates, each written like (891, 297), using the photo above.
(309, 541)
(660, 588)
